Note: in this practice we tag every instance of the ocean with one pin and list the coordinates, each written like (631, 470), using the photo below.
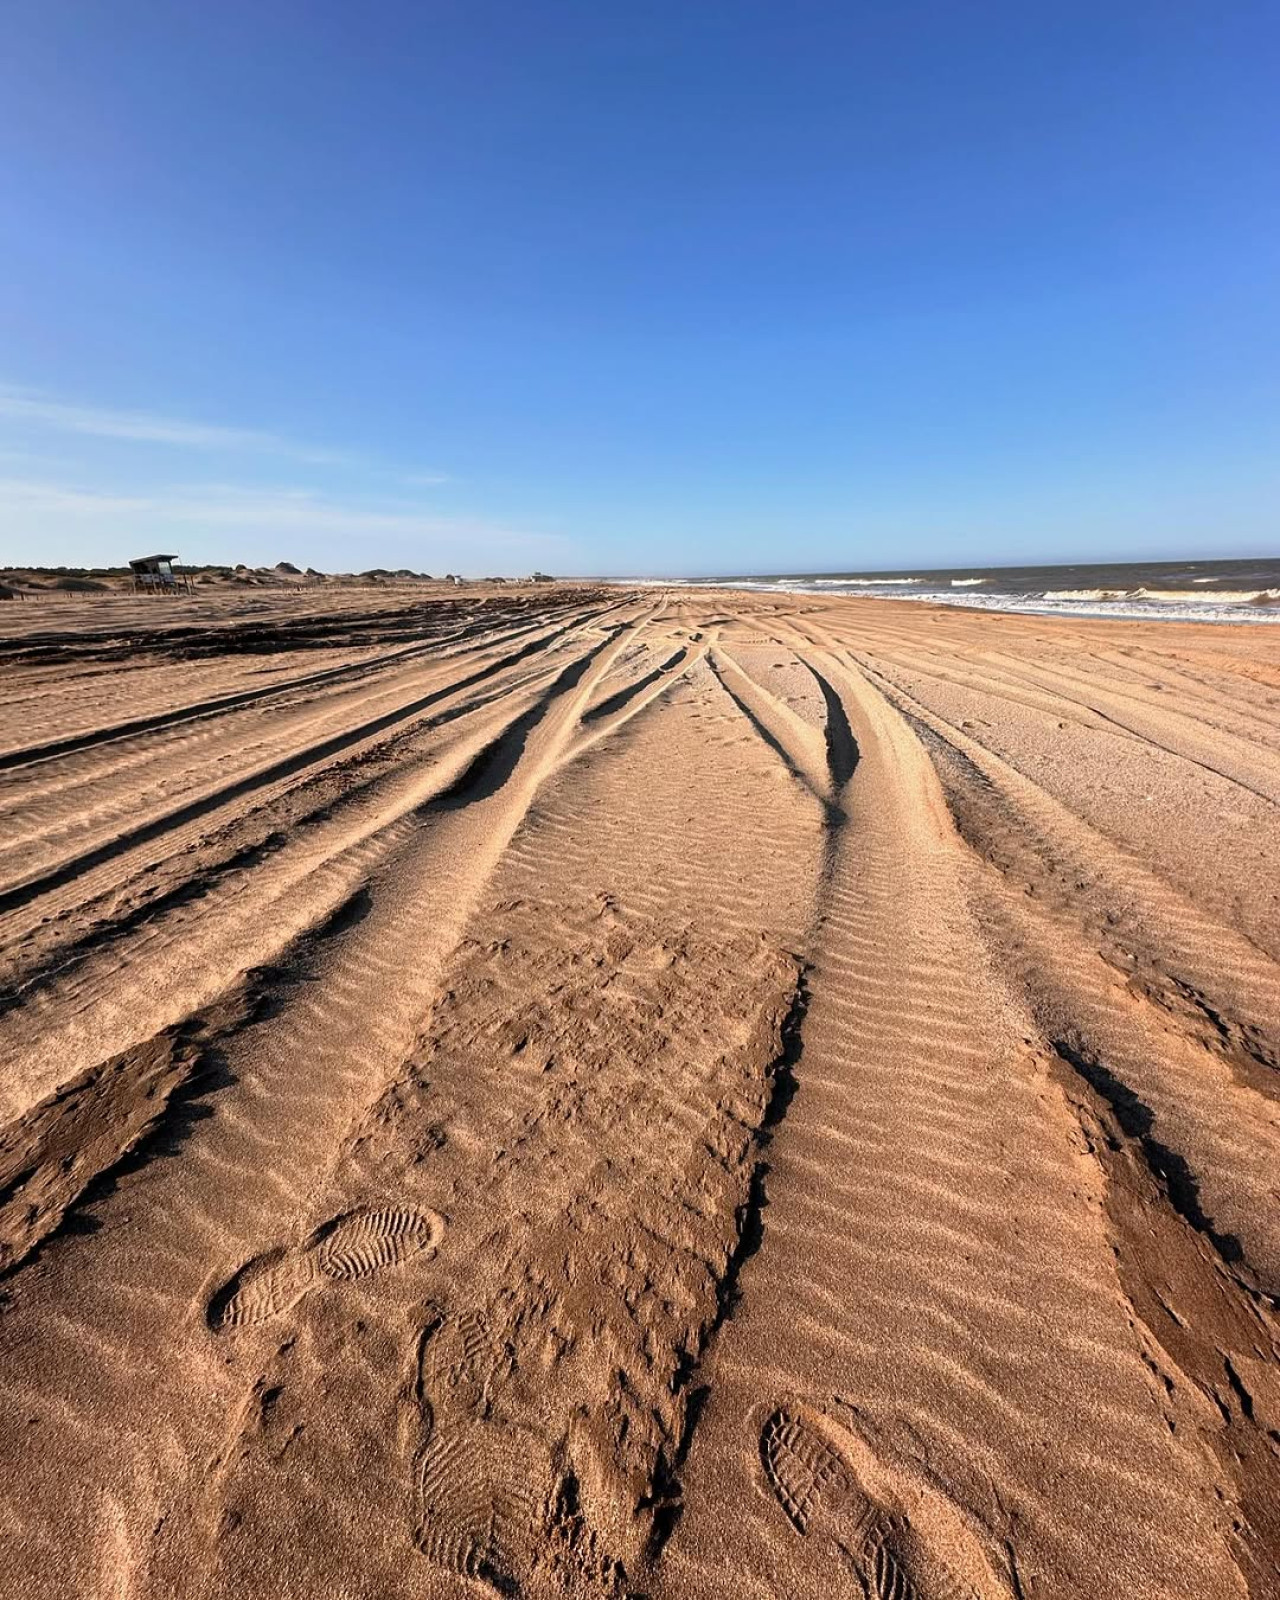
(1203, 591)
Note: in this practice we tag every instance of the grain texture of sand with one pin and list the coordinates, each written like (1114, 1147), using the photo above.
(593, 1092)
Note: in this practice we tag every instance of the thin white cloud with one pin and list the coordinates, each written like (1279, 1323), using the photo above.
(34, 510)
(47, 506)
(144, 428)
(26, 407)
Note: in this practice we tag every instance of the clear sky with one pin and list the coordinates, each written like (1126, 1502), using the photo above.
(603, 286)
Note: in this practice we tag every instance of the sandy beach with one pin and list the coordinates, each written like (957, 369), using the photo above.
(570, 1090)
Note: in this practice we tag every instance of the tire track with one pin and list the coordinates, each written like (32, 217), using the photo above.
(64, 797)
(922, 1201)
(276, 772)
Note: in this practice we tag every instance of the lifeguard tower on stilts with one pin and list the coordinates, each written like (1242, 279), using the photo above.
(158, 575)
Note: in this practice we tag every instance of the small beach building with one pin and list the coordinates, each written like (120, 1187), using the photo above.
(156, 575)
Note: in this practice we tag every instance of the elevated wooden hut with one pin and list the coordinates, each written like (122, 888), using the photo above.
(157, 575)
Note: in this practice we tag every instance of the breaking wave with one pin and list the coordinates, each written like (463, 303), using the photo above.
(1177, 597)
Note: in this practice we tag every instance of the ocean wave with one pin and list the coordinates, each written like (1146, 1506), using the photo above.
(1172, 597)
(794, 585)
(1219, 597)
(855, 583)
(966, 583)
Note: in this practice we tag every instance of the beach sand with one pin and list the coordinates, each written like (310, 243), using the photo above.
(596, 1092)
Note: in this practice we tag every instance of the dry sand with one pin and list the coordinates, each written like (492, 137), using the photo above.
(599, 1093)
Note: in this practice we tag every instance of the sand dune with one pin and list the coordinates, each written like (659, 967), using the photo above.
(607, 1093)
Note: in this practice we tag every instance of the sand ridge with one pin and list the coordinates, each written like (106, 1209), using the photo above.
(601, 1092)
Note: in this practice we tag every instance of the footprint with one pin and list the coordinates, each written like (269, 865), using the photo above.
(807, 1476)
(350, 1247)
(808, 1465)
(457, 1362)
(367, 1241)
(482, 1483)
(481, 1500)
(264, 1288)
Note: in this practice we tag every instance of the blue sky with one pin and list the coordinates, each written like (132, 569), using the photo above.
(620, 287)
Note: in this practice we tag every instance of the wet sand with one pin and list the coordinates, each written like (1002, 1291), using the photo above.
(676, 1093)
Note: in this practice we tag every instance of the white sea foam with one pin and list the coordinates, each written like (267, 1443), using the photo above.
(1164, 605)
(1223, 597)
(1174, 597)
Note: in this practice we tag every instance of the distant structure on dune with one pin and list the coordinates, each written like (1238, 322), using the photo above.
(156, 575)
